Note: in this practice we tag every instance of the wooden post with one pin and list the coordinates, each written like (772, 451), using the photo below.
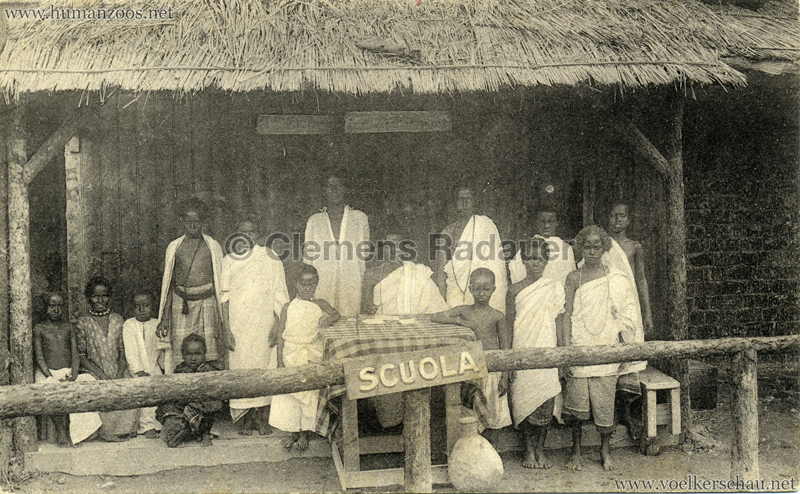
(6, 425)
(417, 440)
(671, 170)
(744, 453)
(77, 247)
(21, 346)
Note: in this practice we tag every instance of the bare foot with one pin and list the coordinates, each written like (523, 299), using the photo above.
(206, 441)
(530, 461)
(64, 442)
(151, 434)
(265, 430)
(302, 442)
(542, 461)
(608, 463)
(133, 435)
(574, 462)
(290, 442)
(245, 432)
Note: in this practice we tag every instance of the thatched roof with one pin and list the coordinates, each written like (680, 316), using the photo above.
(440, 45)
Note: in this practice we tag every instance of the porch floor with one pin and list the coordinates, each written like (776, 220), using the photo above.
(143, 456)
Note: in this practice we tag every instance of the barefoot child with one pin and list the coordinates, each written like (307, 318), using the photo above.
(489, 325)
(183, 422)
(140, 340)
(299, 339)
(57, 360)
(600, 309)
(534, 305)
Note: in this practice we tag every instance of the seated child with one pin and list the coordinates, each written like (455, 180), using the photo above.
(140, 340)
(57, 360)
(489, 325)
(600, 309)
(299, 339)
(534, 305)
(183, 422)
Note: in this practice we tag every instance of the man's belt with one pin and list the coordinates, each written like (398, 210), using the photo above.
(193, 294)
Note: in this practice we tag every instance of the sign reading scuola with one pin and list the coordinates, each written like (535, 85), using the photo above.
(397, 372)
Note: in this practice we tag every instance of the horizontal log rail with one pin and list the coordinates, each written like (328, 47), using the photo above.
(39, 399)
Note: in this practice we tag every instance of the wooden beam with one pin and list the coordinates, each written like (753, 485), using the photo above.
(417, 440)
(54, 144)
(36, 399)
(744, 411)
(21, 342)
(367, 122)
(631, 135)
(295, 124)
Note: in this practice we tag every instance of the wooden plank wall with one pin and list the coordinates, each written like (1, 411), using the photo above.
(138, 165)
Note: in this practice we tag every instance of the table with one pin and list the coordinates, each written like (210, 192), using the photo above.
(352, 337)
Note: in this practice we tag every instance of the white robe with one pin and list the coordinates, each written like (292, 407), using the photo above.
(141, 353)
(338, 262)
(255, 289)
(537, 307)
(302, 345)
(561, 261)
(478, 247)
(617, 259)
(169, 264)
(603, 309)
(408, 289)
(81, 425)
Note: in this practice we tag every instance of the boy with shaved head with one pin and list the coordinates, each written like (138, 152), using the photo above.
(489, 325)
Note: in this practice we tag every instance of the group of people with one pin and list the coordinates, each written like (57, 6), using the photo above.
(233, 311)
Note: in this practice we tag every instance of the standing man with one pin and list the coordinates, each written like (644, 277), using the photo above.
(478, 246)
(333, 240)
(191, 288)
(253, 294)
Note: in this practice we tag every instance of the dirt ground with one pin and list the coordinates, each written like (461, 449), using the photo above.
(779, 448)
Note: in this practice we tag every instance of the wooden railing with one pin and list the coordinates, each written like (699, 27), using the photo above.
(38, 399)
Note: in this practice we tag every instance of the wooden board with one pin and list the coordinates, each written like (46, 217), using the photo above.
(398, 372)
(367, 122)
(294, 124)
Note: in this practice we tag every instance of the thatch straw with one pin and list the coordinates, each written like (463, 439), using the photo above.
(465, 45)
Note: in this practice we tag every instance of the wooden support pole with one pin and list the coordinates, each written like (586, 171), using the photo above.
(417, 440)
(744, 453)
(670, 166)
(21, 343)
(6, 425)
(35, 399)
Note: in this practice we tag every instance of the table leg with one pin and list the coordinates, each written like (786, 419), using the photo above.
(417, 440)
(452, 400)
(350, 448)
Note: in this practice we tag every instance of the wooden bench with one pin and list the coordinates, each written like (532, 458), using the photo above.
(654, 414)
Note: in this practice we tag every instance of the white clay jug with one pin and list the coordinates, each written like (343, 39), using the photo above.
(474, 465)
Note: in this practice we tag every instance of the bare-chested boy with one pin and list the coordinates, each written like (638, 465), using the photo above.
(490, 328)
(57, 359)
(191, 288)
(627, 256)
